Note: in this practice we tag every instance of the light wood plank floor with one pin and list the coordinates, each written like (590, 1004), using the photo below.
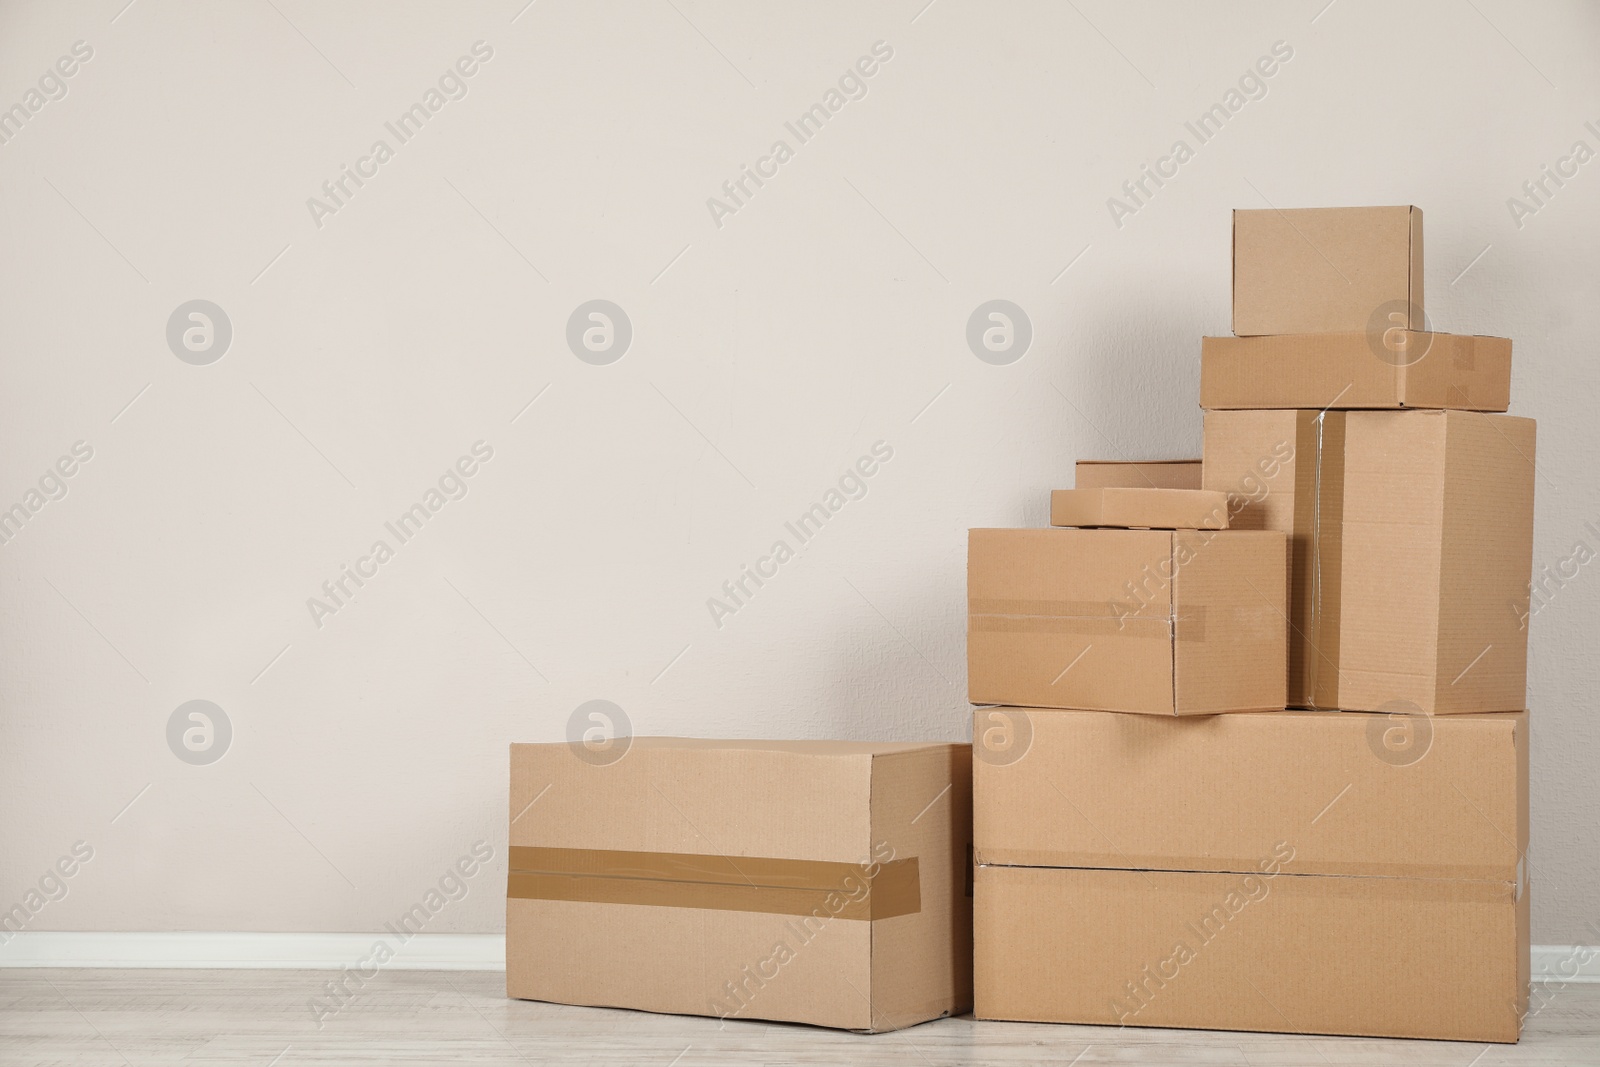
(89, 1018)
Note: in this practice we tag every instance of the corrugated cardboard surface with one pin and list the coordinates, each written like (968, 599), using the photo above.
(1187, 622)
(1355, 370)
(836, 802)
(922, 964)
(1152, 474)
(1325, 270)
(1160, 509)
(1284, 470)
(1410, 796)
(1325, 872)
(1362, 956)
(1437, 556)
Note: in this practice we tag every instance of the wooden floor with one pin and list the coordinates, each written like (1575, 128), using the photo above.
(86, 1018)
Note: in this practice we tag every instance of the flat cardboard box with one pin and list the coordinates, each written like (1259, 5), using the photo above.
(1149, 509)
(1284, 470)
(1305, 872)
(1148, 474)
(822, 882)
(1188, 622)
(1436, 559)
(1390, 369)
(1327, 270)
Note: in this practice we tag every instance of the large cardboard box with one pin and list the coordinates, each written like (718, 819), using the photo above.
(822, 882)
(1436, 557)
(1307, 872)
(1187, 622)
(1387, 369)
(1148, 474)
(1327, 270)
(1284, 470)
(1412, 541)
(1151, 509)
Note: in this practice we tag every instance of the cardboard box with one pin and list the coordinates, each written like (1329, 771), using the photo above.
(822, 882)
(1165, 623)
(1284, 470)
(1436, 559)
(1412, 545)
(1306, 872)
(1327, 270)
(1388, 369)
(1149, 474)
(1158, 509)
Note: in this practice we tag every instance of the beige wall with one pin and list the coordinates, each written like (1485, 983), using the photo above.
(374, 345)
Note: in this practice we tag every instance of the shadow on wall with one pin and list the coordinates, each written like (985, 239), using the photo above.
(1130, 367)
(903, 674)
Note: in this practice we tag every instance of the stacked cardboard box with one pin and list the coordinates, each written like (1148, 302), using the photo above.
(1353, 868)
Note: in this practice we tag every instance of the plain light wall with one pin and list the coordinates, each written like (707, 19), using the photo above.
(772, 346)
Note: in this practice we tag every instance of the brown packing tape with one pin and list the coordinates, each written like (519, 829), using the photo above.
(1313, 665)
(1078, 609)
(1190, 626)
(1322, 631)
(722, 883)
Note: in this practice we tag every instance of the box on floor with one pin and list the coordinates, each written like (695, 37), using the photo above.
(1308, 872)
(823, 882)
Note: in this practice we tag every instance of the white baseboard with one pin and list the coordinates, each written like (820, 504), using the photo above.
(1566, 963)
(424, 952)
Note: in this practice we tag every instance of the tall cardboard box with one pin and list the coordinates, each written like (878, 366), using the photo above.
(1306, 872)
(1436, 557)
(1284, 470)
(1412, 540)
(821, 882)
(1326, 270)
(1180, 622)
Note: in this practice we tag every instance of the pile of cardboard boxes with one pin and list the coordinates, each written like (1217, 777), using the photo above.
(1355, 543)
(1251, 752)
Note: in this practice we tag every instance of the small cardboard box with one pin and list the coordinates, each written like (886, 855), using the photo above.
(1386, 369)
(822, 882)
(1148, 509)
(1412, 541)
(1306, 872)
(1188, 622)
(1149, 474)
(1284, 470)
(1327, 270)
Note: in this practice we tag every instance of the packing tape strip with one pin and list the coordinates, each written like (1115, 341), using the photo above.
(1311, 640)
(1190, 626)
(721, 883)
(1319, 632)
(1078, 609)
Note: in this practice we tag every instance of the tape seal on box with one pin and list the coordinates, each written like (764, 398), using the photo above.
(777, 886)
(1077, 617)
